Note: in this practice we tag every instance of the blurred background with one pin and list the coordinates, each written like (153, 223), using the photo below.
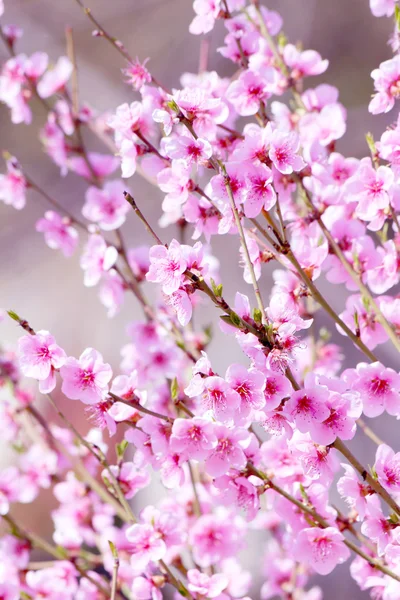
(43, 287)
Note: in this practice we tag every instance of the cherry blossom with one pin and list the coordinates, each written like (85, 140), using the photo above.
(167, 266)
(107, 207)
(324, 548)
(58, 232)
(40, 357)
(97, 259)
(86, 379)
(13, 185)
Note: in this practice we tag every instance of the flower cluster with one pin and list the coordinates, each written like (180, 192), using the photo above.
(264, 443)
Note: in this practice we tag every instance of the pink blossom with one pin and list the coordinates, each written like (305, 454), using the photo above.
(97, 259)
(219, 397)
(58, 232)
(344, 410)
(145, 546)
(387, 467)
(202, 108)
(260, 193)
(323, 549)
(189, 149)
(249, 385)
(106, 206)
(228, 451)
(206, 13)
(13, 185)
(39, 357)
(175, 182)
(86, 379)
(145, 589)
(213, 539)
(181, 304)
(302, 64)
(307, 406)
(112, 292)
(139, 261)
(127, 119)
(167, 266)
(249, 90)
(382, 8)
(375, 526)
(386, 83)
(370, 188)
(283, 152)
(137, 74)
(204, 585)
(386, 275)
(371, 331)
(130, 479)
(353, 491)
(55, 79)
(101, 165)
(166, 119)
(277, 387)
(193, 438)
(128, 153)
(13, 488)
(378, 386)
(317, 462)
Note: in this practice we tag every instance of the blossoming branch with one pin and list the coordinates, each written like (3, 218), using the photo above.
(266, 444)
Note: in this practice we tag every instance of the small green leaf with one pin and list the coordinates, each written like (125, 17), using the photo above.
(120, 449)
(174, 389)
(235, 319)
(227, 319)
(13, 315)
(113, 549)
(397, 16)
(217, 289)
(371, 143)
(257, 316)
(173, 105)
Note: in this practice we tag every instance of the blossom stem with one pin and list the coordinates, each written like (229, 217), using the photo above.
(196, 504)
(141, 408)
(74, 78)
(277, 55)
(151, 146)
(243, 57)
(376, 486)
(114, 582)
(284, 248)
(54, 203)
(369, 433)
(118, 46)
(141, 216)
(244, 244)
(355, 277)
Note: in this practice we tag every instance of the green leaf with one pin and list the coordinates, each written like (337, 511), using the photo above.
(257, 316)
(174, 389)
(235, 319)
(13, 315)
(227, 319)
(217, 289)
(113, 549)
(173, 105)
(120, 449)
(397, 16)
